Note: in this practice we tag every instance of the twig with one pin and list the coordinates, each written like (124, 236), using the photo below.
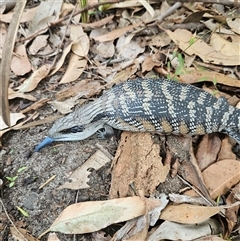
(169, 11)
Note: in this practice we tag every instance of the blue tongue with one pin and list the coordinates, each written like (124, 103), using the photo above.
(47, 141)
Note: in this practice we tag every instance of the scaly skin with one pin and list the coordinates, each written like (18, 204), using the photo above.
(147, 105)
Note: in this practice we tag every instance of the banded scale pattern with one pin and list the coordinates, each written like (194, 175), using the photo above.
(151, 105)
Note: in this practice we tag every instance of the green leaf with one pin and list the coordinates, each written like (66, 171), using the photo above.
(215, 92)
(23, 212)
(21, 169)
(181, 60)
(9, 179)
(11, 184)
(192, 41)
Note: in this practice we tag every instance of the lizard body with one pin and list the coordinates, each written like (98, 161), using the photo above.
(148, 105)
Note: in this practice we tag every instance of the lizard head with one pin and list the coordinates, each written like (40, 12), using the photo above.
(66, 129)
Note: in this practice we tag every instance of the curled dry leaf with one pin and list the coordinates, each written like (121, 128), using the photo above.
(88, 217)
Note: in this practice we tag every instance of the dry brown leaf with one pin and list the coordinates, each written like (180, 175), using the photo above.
(48, 119)
(32, 82)
(128, 48)
(116, 33)
(223, 46)
(85, 87)
(187, 232)
(194, 76)
(133, 230)
(79, 178)
(88, 217)
(76, 66)
(234, 24)
(190, 171)
(80, 41)
(149, 63)
(137, 228)
(53, 237)
(123, 75)
(26, 16)
(38, 43)
(221, 176)
(226, 150)
(14, 117)
(105, 50)
(45, 13)
(61, 60)
(64, 107)
(187, 213)
(21, 234)
(20, 64)
(208, 150)
(206, 52)
(98, 24)
(36, 105)
(137, 162)
(160, 40)
(13, 94)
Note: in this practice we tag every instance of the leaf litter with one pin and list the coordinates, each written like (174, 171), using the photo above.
(126, 42)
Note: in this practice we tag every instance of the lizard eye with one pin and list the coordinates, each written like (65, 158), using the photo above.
(73, 129)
